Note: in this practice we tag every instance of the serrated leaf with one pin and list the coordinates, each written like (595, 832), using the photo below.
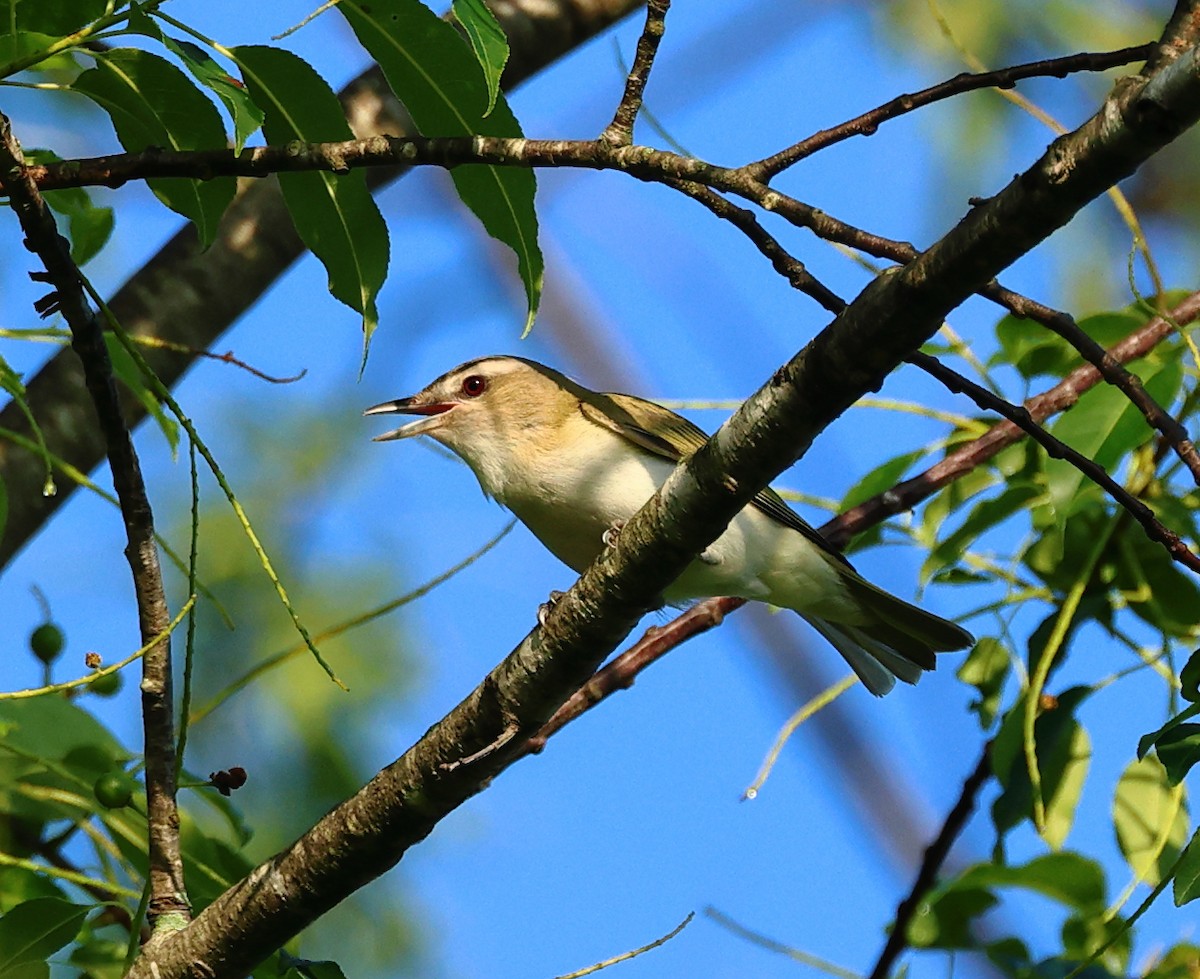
(1104, 426)
(487, 41)
(153, 104)
(433, 73)
(335, 215)
(35, 930)
(1150, 819)
(247, 117)
(1187, 878)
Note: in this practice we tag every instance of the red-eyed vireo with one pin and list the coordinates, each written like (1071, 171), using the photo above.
(573, 463)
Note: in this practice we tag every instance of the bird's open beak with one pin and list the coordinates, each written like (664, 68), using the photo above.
(434, 413)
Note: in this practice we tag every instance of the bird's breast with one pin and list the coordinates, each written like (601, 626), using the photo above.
(569, 499)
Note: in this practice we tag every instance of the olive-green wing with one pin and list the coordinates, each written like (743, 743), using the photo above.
(664, 433)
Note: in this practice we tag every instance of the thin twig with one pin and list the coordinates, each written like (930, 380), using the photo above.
(42, 237)
(1058, 449)
(619, 674)
(907, 494)
(619, 132)
(931, 864)
(867, 123)
(633, 953)
(1173, 431)
(781, 261)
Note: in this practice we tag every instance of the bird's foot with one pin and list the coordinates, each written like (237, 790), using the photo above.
(547, 606)
(609, 537)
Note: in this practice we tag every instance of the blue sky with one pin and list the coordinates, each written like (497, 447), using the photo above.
(631, 818)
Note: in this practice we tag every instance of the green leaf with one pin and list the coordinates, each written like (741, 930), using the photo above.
(1187, 878)
(1148, 741)
(35, 930)
(1179, 750)
(1035, 350)
(20, 45)
(55, 19)
(88, 227)
(152, 104)
(1063, 750)
(879, 479)
(335, 215)
(1150, 819)
(944, 919)
(983, 516)
(246, 116)
(434, 74)
(1082, 935)
(1154, 587)
(1104, 426)
(487, 41)
(1178, 963)
(18, 885)
(298, 968)
(1189, 678)
(1068, 878)
(985, 669)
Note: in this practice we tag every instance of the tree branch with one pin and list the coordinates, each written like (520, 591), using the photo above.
(898, 311)
(931, 864)
(619, 132)
(1064, 394)
(190, 297)
(867, 123)
(168, 896)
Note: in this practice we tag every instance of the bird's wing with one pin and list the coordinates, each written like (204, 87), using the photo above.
(664, 433)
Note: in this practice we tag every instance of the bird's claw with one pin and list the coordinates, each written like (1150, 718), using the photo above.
(609, 537)
(547, 607)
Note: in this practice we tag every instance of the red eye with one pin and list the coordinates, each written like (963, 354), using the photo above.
(474, 385)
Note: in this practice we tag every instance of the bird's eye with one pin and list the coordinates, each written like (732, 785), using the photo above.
(474, 385)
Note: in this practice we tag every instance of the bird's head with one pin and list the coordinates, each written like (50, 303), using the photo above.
(495, 411)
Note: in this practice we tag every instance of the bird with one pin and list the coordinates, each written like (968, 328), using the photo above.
(574, 464)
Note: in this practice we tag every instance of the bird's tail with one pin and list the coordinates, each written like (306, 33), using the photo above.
(892, 639)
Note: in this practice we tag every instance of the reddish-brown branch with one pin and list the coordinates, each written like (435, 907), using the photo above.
(1058, 449)
(910, 492)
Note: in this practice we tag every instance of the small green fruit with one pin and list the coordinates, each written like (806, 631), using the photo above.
(47, 642)
(106, 685)
(114, 789)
